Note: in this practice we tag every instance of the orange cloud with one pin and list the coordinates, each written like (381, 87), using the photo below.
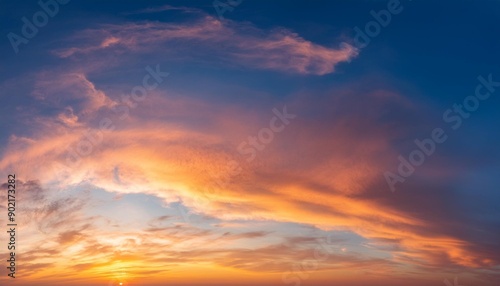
(320, 171)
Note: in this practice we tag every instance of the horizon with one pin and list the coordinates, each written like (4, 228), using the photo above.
(250, 142)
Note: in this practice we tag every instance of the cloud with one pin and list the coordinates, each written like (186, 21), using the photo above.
(330, 179)
(226, 43)
(73, 91)
(164, 8)
(323, 170)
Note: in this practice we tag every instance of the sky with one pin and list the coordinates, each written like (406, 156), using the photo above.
(250, 142)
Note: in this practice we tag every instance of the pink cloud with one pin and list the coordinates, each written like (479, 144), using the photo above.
(219, 42)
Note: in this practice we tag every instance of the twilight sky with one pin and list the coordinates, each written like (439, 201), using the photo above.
(252, 142)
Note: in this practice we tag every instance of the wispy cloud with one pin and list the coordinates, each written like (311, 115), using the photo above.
(320, 175)
(164, 8)
(334, 165)
(226, 43)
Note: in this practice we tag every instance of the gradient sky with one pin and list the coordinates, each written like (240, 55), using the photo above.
(169, 192)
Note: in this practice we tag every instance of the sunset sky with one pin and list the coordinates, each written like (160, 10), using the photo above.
(252, 142)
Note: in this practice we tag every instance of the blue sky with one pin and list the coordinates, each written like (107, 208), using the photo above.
(168, 187)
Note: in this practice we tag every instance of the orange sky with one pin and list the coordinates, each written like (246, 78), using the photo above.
(163, 145)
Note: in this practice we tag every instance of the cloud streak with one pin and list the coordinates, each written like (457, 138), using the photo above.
(227, 43)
